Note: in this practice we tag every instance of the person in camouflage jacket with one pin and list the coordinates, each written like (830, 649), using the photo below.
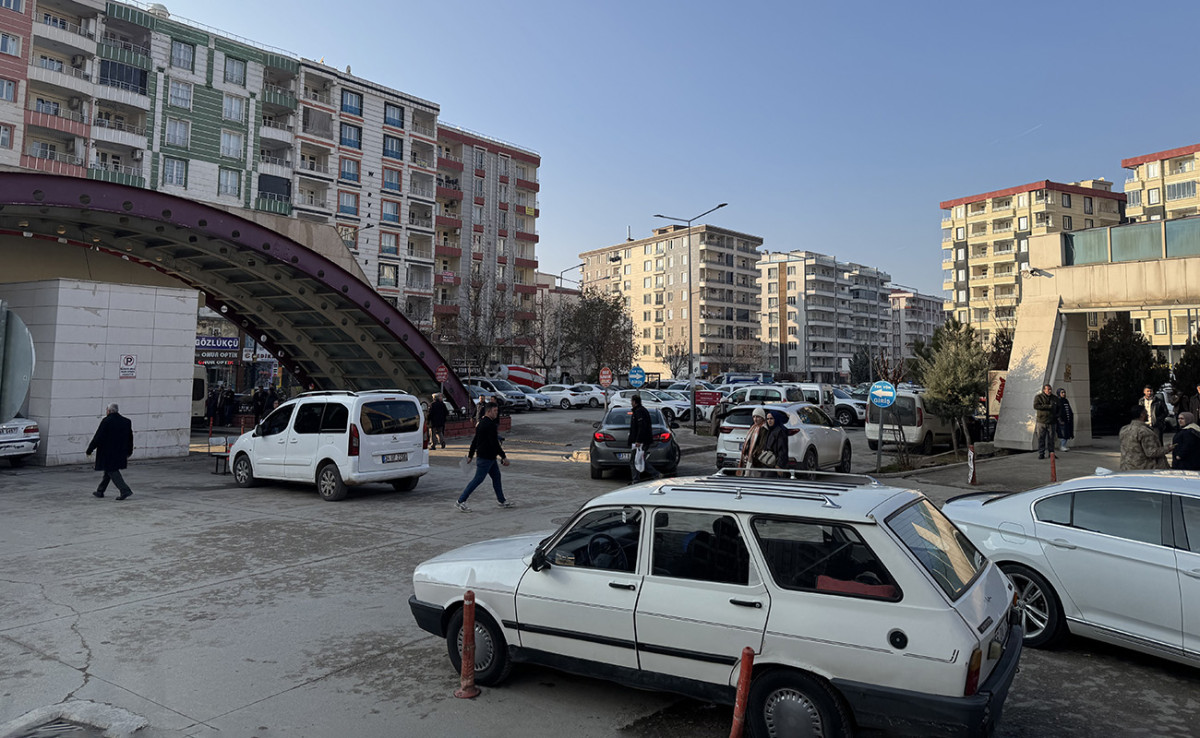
(1140, 447)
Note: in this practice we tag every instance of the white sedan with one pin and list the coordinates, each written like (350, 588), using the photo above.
(593, 394)
(563, 395)
(671, 408)
(1113, 556)
(814, 440)
(19, 439)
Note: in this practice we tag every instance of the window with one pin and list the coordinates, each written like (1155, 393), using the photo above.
(699, 545)
(1160, 326)
(389, 243)
(8, 90)
(387, 275)
(601, 539)
(14, 5)
(942, 549)
(1128, 514)
(1181, 190)
(1087, 205)
(234, 108)
(229, 182)
(1023, 223)
(179, 132)
(1191, 521)
(393, 147)
(479, 187)
(351, 136)
(393, 115)
(183, 55)
(1089, 223)
(233, 144)
(1066, 221)
(235, 71)
(49, 107)
(1134, 198)
(6, 136)
(348, 203)
(1066, 200)
(480, 158)
(959, 233)
(822, 557)
(1152, 197)
(180, 95)
(1152, 169)
(349, 170)
(54, 64)
(174, 171)
(391, 180)
(10, 44)
(1023, 245)
(351, 102)
(277, 422)
(391, 211)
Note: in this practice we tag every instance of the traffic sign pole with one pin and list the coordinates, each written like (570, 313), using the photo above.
(882, 395)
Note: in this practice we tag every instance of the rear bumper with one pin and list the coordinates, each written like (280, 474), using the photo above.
(16, 447)
(386, 475)
(660, 455)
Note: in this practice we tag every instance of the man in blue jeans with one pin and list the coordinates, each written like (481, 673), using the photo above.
(487, 445)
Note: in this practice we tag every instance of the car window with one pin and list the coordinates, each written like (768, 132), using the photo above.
(308, 418)
(1128, 514)
(1191, 522)
(390, 416)
(741, 416)
(504, 384)
(795, 395)
(738, 397)
(276, 422)
(820, 416)
(1056, 509)
(808, 416)
(601, 539)
(841, 394)
(699, 545)
(581, 388)
(939, 546)
(822, 557)
(811, 395)
(335, 418)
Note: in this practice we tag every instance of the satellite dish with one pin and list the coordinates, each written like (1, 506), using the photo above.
(16, 362)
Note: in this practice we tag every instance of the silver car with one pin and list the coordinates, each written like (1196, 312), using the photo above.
(19, 439)
(537, 401)
(610, 443)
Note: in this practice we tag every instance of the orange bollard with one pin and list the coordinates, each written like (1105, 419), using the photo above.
(743, 693)
(1053, 471)
(467, 689)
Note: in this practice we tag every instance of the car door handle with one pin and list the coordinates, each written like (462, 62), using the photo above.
(746, 603)
(622, 585)
(1193, 573)
(1061, 543)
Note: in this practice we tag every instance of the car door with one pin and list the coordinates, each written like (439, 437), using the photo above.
(811, 418)
(582, 605)
(1107, 550)
(702, 601)
(831, 436)
(269, 444)
(1188, 558)
(304, 438)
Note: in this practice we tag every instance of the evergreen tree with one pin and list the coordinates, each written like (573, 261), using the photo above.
(955, 376)
(1001, 350)
(1121, 362)
(1187, 369)
(860, 365)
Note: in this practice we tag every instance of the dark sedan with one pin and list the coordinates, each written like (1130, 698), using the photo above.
(610, 448)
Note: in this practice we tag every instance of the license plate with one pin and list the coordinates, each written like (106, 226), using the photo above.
(622, 457)
(389, 458)
(7, 431)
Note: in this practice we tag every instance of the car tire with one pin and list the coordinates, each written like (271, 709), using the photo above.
(788, 703)
(925, 448)
(564, 403)
(329, 483)
(408, 484)
(844, 462)
(243, 471)
(15, 461)
(1041, 610)
(596, 472)
(810, 462)
(668, 414)
(872, 444)
(844, 417)
(492, 664)
(593, 402)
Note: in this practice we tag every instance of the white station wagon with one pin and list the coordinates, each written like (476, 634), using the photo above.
(864, 605)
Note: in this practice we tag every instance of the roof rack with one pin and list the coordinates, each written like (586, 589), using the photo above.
(796, 474)
(319, 393)
(755, 481)
(382, 392)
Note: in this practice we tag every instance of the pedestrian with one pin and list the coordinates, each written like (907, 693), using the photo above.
(1140, 447)
(437, 422)
(753, 443)
(486, 444)
(229, 405)
(258, 400)
(1156, 411)
(1186, 454)
(641, 437)
(1045, 404)
(1065, 427)
(210, 405)
(1194, 402)
(776, 440)
(219, 406)
(113, 444)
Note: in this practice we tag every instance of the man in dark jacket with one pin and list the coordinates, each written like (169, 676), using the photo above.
(641, 436)
(491, 456)
(437, 422)
(113, 444)
(1156, 411)
(1045, 405)
(1186, 454)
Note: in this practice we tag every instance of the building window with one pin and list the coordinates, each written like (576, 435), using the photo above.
(10, 44)
(351, 102)
(1087, 205)
(391, 179)
(179, 132)
(6, 136)
(181, 95)
(1066, 200)
(1134, 199)
(174, 171)
(233, 144)
(393, 147)
(183, 55)
(1066, 221)
(235, 71)
(959, 233)
(14, 5)
(1089, 223)
(477, 212)
(391, 212)
(1160, 326)
(49, 107)
(351, 136)
(229, 182)
(388, 274)
(1151, 170)
(234, 108)
(480, 157)
(1152, 197)
(1023, 245)
(393, 115)
(1023, 223)
(8, 90)
(348, 203)
(1181, 190)
(349, 170)
(389, 243)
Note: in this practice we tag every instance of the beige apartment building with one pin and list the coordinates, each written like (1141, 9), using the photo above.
(985, 240)
(656, 277)
(914, 316)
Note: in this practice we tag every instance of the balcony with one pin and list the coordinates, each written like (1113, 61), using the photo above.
(269, 202)
(450, 193)
(447, 278)
(423, 129)
(525, 236)
(53, 162)
(448, 161)
(418, 284)
(58, 119)
(420, 190)
(124, 52)
(448, 220)
(527, 289)
(422, 160)
(311, 200)
(524, 263)
(278, 96)
(447, 250)
(273, 129)
(317, 96)
(71, 34)
(417, 253)
(126, 175)
(445, 308)
(309, 166)
(275, 161)
(528, 185)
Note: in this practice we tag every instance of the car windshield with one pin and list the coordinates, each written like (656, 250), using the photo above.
(673, 395)
(504, 384)
(939, 546)
(527, 390)
(619, 417)
(841, 394)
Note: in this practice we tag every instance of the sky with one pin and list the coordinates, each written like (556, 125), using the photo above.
(835, 127)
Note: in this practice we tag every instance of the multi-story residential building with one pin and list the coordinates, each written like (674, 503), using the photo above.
(985, 240)
(914, 316)
(1162, 185)
(659, 283)
(817, 311)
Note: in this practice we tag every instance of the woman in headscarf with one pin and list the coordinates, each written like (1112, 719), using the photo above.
(755, 438)
(1066, 420)
(776, 441)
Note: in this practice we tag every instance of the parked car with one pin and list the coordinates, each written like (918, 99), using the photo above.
(685, 386)
(919, 428)
(820, 394)
(1110, 556)
(593, 394)
(515, 399)
(814, 440)
(848, 410)
(537, 401)
(19, 439)
(865, 606)
(610, 448)
(336, 440)
(563, 395)
(671, 407)
(759, 393)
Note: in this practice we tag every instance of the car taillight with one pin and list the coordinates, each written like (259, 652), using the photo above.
(792, 431)
(663, 437)
(31, 429)
(353, 448)
(920, 417)
(424, 437)
(973, 673)
(727, 429)
(601, 436)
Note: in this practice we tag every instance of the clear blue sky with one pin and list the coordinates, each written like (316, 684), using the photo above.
(836, 127)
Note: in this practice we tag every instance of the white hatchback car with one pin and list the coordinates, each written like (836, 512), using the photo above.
(337, 439)
(563, 395)
(814, 441)
(1113, 556)
(863, 604)
(673, 408)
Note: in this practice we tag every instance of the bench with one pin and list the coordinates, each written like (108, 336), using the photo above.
(221, 458)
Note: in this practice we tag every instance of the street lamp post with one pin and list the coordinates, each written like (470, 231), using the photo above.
(691, 312)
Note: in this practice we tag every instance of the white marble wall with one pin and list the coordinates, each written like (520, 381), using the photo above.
(80, 330)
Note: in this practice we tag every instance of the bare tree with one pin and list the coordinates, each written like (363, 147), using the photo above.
(546, 344)
(600, 331)
(676, 356)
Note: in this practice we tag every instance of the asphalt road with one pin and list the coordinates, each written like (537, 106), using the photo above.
(210, 610)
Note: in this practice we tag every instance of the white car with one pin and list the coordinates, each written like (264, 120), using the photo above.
(865, 607)
(848, 410)
(337, 439)
(672, 408)
(814, 441)
(537, 400)
(19, 439)
(1112, 556)
(563, 395)
(593, 394)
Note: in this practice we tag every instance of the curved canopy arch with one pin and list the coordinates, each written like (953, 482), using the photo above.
(323, 324)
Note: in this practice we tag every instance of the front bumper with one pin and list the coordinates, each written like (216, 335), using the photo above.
(428, 617)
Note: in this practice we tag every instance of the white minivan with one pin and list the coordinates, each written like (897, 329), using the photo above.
(337, 439)
(920, 428)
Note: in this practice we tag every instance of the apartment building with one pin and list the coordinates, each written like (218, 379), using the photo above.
(985, 240)
(914, 316)
(711, 298)
(1162, 185)
(817, 311)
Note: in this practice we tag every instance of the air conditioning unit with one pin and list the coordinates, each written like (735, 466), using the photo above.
(78, 60)
(75, 103)
(137, 154)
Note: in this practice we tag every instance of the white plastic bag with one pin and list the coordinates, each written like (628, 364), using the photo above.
(639, 459)
(464, 465)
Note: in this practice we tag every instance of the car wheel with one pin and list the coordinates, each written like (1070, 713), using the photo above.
(492, 664)
(330, 484)
(593, 402)
(243, 471)
(668, 414)
(565, 404)
(790, 703)
(15, 461)
(810, 460)
(926, 446)
(844, 464)
(408, 484)
(872, 444)
(597, 472)
(1041, 611)
(844, 417)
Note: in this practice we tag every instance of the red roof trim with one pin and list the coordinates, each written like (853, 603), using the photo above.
(461, 137)
(1044, 184)
(1159, 156)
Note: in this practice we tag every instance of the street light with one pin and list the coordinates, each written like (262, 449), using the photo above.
(568, 269)
(691, 287)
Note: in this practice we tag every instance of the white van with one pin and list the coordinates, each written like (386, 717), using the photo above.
(199, 392)
(921, 429)
(337, 439)
(820, 395)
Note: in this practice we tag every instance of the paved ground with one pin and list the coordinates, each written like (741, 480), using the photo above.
(204, 609)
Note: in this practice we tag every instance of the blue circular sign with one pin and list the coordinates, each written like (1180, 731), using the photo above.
(637, 377)
(882, 394)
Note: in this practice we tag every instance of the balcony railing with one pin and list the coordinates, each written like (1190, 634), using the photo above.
(420, 190)
(120, 168)
(38, 152)
(268, 123)
(274, 197)
(58, 112)
(118, 84)
(230, 152)
(422, 129)
(321, 97)
(126, 45)
(451, 157)
(113, 125)
(310, 201)
(67, 26)
(418, 284)
(420, 160)
(277, 161)
(312, 166)
(420, 253)
(419, 221)
(63, 69)
(313, 130)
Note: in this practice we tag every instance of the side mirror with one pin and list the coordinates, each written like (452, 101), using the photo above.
(539, 560)
(256, 432)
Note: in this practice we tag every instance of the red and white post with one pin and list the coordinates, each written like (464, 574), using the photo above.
(467, 689)
(743, 693)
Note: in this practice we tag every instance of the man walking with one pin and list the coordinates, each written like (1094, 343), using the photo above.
(487, 444)
(1140, 447)
(437, 421)
(1156, 411)
(640, 437)
(113, 444)
(1045, 404)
